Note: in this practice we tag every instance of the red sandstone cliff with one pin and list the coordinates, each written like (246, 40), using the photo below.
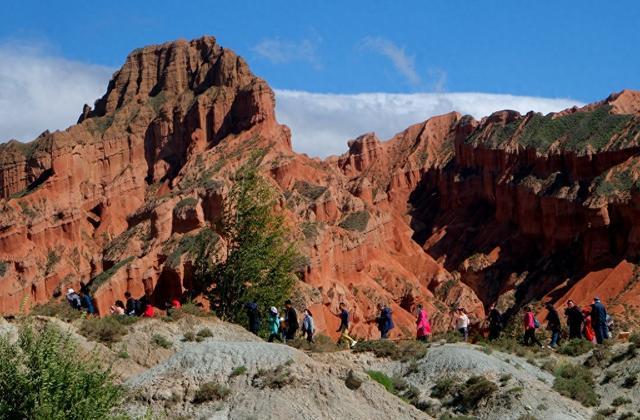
(451, 211)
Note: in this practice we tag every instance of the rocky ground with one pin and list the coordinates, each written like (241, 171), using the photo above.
(202, 368)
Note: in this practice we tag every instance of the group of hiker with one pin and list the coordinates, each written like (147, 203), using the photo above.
(81, 300)
(591, 323)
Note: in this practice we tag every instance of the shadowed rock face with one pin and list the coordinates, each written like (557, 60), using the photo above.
(449, 212)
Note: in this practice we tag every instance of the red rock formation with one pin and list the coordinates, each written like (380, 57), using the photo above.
(450, 212)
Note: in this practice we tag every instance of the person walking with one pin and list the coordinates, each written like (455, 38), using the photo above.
(423, 327)
(587, 330)
(462, 323)
(384, 321)
(344, 327)
(599, 320)
(274, 325)
(254, 316)
(530, 325)
(574, 318)
(495, 322)
(308, 328)
(74, 299)
(291, 321)
(553, 325)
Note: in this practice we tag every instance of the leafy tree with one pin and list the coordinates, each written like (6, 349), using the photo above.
(261, 258)
(42, 377)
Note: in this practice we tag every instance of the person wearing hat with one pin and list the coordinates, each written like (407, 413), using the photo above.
(599, 320)
(274, 325)
(74, 299)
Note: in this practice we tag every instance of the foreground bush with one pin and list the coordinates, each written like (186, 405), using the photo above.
(575, 347)
(43, 377)
(59, 309)
(105, 330)
(576, 382)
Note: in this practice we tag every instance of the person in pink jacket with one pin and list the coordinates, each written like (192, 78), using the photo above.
(422, 325)
(529, 323)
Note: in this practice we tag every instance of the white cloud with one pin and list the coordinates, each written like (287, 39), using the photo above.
(279, 51)
(403, 63)
(321, 124)
(39, 91)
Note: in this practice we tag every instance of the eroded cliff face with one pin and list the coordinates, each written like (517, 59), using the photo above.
(450, 212)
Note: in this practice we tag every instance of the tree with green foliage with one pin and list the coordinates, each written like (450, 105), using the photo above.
(261, 257)
(43, 377)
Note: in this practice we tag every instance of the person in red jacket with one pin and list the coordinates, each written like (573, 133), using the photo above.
(148, 311)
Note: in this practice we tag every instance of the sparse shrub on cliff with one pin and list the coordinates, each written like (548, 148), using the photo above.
(57, 308)
(3, 268)
(161, 341)
(576, 382)
(310, 230)
(356, 221)
(575, 347)
(211, 391)
(101, 278)
(42, 376)
(52, 259)
(275, 378)
(185, 203)
(260, 259)
(105, 330)
(308, 190)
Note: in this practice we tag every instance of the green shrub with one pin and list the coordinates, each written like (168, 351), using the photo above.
(42, 376)
(189, 336)
(576, 382)
(59, 309)
(105, 330)
(275, 378)
(321, 344)
(356, 221)
(310, 191)
(475, 390)
(627, 416)
(618, 401)
(101, 278)
(575, 347)
(205, 332)
(3, 268)
(383, 380)
(161, 341)
(211, 391)
(443, 387)
(240, 370)
(188, 202)
(630, 381)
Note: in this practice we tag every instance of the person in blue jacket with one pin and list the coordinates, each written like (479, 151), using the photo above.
(87, 302)
(384, 320)
(599, 320)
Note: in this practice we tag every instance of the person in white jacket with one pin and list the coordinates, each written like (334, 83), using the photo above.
(307, 325)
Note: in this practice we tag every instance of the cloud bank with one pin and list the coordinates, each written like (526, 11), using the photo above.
(39, 91)
(321, 123)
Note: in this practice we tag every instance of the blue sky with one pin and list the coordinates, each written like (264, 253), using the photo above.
(581, 50)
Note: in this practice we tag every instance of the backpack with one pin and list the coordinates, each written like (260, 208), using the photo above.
(536, 323)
